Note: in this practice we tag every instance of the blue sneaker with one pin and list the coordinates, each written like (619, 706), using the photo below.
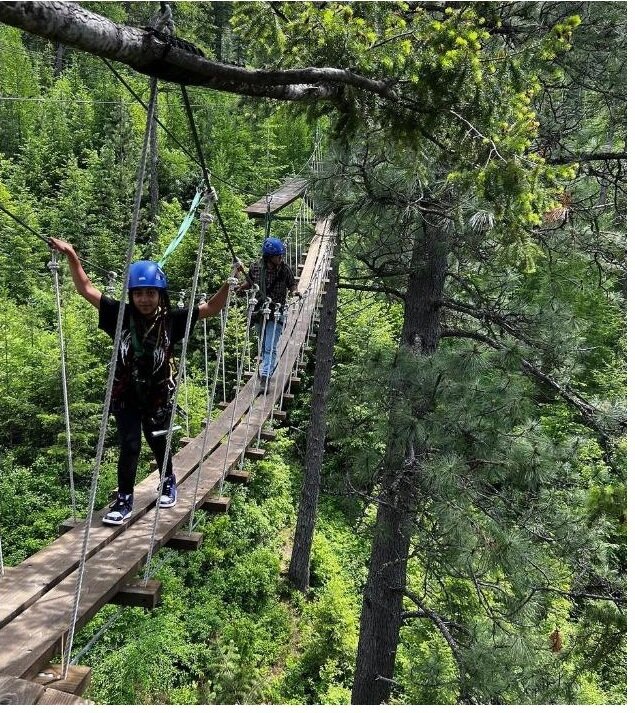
(120, 511)
(168, 496)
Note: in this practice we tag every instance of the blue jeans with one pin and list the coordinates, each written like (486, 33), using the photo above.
(270, 347)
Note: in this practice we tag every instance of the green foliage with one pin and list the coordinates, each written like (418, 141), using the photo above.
(521, 515)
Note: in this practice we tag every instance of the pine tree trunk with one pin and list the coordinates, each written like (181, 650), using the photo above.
(307, 507)
(382, 603)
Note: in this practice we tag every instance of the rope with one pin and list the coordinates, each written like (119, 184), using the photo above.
(210, 400)
(206, 219)
(222, 358)
(54, 268)
(266, 312)
(201, 157)
(287, 349)
(117, 615)
(239, 376)
(111, 377)
(276, 320)
(202, 300)
(1, 559)
(181, 304)
(24, 225)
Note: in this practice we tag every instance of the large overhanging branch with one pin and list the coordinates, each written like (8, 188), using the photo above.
(148, 54)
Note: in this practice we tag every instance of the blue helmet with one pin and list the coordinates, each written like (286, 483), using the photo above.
(146, 273)
(273, 246)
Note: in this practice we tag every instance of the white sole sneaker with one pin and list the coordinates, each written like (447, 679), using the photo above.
(108, 520)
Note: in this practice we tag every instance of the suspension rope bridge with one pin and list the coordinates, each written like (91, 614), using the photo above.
(37, 596)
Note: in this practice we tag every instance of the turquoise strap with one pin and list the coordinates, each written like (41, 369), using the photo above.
(185, 226)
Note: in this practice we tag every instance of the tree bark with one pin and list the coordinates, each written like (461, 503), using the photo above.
(307, 507)
(380, 621)
(58, 66)
(146, 53)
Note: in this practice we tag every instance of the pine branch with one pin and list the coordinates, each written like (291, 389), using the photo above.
(372, 288)
(424, 612)
(590, 415)
(588, 157)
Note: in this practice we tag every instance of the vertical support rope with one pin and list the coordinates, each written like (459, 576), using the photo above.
(111, 378)
(206, 219)
(285, 312)
(276, 320)
(287, 350)
(1, 558)
(203, 300)
(239, 376)
(210, 400)
(255, 381)
(54, 268)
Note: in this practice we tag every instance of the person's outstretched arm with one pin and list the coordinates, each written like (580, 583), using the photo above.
(217, 301)
(82, 282)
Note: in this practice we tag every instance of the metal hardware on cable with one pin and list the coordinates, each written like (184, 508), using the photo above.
(111, 377)
(53, 266)
(110, 287)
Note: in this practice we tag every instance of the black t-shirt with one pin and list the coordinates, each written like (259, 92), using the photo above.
(143, 375)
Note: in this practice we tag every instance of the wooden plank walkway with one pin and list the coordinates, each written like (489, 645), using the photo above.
(36, 597)
(25, 583)
(17, 692)
(286, 194)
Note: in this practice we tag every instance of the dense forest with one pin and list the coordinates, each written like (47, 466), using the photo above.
(469, 541)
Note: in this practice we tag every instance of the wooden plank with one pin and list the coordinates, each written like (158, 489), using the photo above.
(185, 441)
(280, 415)
(17, 692)
(136, 593)
(185, 541)
(255, 453)
(32, 638)
(241, 477)
(51, 697)
(218, 503)
(34, 635)
(76, 682)
(286, 194)
(295, 383)
(29, 580)
(68, 524)
(268, 434)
